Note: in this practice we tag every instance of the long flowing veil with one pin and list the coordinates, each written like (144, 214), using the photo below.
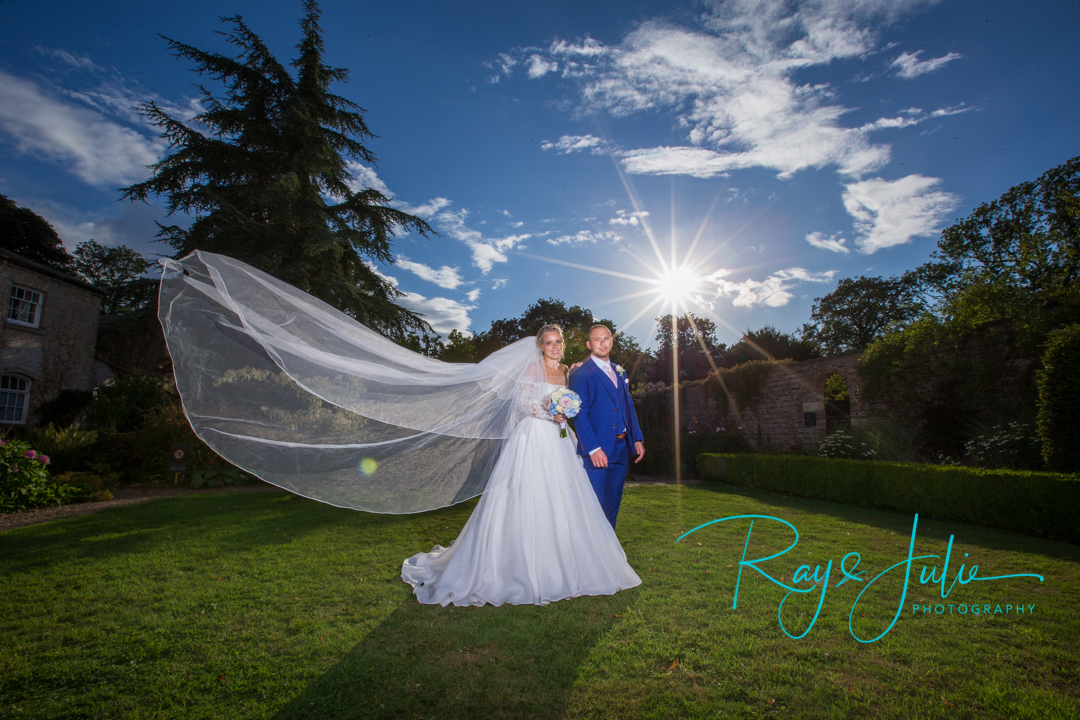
(306, 398)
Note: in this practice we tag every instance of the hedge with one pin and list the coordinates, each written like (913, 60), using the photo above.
(1035, 503)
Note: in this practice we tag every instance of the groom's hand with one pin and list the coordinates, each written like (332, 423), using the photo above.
(640, 449)
(599, 459)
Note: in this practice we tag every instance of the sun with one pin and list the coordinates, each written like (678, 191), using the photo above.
(677, 285)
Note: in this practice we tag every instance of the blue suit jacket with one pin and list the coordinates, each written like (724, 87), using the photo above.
(605, 410)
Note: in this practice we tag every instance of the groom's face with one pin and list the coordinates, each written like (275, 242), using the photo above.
(599, 343)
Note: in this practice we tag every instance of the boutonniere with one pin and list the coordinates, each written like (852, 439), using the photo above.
(619, 370)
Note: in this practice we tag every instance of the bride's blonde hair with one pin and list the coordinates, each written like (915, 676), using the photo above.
(549, 329)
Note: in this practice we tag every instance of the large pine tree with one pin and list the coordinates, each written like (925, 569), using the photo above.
(269, 181)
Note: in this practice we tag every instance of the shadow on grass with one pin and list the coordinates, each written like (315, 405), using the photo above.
(428, 661)
(900, 522)
(236, 524)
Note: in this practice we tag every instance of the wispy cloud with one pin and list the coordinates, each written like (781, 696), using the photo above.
(731, 81)
(575, 143)
(445, 277)
(622, 217)
(539, 66)
(442, 313)
(473, 295)
(95, 148)
(364, 177)
(909, 66)
(774, 291)
(889, 213)
(586, 236)
(833, 243)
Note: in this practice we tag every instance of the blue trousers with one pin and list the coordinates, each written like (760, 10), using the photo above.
(608, 482)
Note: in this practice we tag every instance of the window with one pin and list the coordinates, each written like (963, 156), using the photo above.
(14, 398)
(25, 306)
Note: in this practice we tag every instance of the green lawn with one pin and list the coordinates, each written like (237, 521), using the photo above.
(269, 605)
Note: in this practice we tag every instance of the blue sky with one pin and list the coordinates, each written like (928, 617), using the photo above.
(799, 143)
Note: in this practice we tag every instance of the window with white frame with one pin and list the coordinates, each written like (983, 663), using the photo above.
(14, 398)
(25, 306)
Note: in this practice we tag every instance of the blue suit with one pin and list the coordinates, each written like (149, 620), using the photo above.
(606, 411)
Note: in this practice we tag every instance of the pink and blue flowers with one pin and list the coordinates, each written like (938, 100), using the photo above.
(564, 401)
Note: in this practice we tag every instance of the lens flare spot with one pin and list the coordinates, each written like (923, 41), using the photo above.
(368, 466)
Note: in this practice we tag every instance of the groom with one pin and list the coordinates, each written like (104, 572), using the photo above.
(606, 425)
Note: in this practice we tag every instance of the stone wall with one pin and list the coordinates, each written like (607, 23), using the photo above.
(777, 417)
(58, 354)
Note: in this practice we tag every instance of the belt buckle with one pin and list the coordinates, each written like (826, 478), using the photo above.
(620, 436)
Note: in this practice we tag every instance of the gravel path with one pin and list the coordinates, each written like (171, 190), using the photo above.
(135, 495)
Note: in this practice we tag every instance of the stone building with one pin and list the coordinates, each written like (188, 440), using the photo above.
(791, 410)
(48, 338)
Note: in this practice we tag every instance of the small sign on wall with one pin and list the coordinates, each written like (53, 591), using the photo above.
(810, 419)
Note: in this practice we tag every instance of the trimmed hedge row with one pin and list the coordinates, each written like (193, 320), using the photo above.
(1035, 503)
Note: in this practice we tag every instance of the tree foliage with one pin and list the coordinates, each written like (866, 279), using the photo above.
(862, 309)
(1059, 400)
(768, 343)
(27, 234)
(699, 350)
(1003, 279)
(575, 322)
(118, 272)
(265, 169)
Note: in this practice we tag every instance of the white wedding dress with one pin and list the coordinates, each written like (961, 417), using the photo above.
(537, 535)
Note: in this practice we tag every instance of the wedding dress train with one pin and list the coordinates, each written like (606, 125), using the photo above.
(537, 535)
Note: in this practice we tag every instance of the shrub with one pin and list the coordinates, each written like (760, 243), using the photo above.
(841, 445)
(123, 405)
(68, 447)
(1012, 445)
(141, 455)
(67, 408)
(1037, 503)
(24, 482)
(1059, 400)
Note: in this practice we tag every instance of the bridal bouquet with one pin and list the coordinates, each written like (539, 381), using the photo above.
(564, 402)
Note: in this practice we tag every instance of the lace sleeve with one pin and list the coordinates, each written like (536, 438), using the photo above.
(532, 400)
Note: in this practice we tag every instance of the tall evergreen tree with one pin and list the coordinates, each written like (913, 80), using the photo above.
(269, 180)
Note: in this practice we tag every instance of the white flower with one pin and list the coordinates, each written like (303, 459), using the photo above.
(619, 370)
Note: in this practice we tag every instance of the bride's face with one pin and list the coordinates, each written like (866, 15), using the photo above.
(551, 346)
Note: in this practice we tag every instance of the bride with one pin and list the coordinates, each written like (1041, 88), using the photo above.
(302, 396)
(538, 533)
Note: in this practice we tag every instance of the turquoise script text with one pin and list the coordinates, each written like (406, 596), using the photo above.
(819, 577)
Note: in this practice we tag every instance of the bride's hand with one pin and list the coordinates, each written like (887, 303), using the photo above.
(576, 365)
(559, 418)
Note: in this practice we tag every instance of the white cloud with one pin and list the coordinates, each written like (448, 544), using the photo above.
(485, 251)
(443, 314)
(445, 277)
(773, 291)
(889, 213)
(731, 82)
(96, 149)
(622, 217)
(909, 66)
(586, 236)
(575, 143)
(499, 282)
(429, 209)
(832, 243)
(364, 177)
(539, 67)
(473, 295)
